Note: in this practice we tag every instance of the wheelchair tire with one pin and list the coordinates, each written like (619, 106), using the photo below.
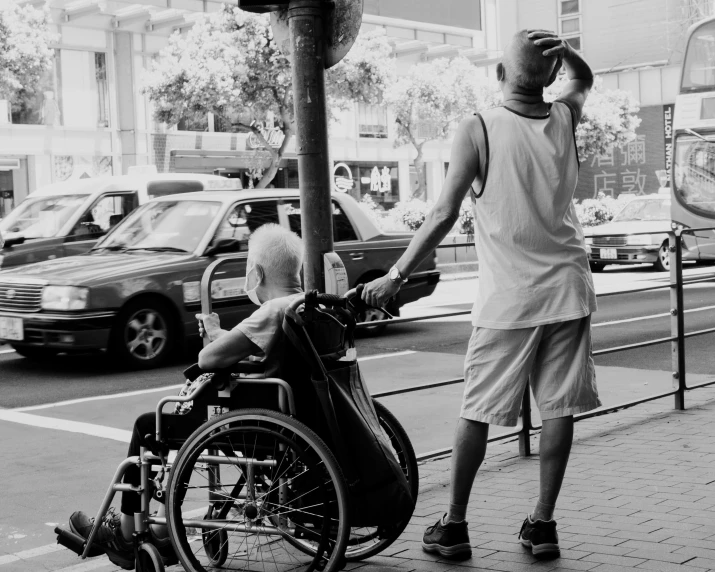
(278, 481)
(365, 542)
(149, 559)
(375, 540)
(215, 544)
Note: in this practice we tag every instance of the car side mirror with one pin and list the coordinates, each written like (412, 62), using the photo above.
(223, 246)
(13, 241)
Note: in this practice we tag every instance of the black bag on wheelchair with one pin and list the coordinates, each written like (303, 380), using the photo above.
(379, 492)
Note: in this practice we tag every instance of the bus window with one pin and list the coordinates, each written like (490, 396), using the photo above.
(699, 66)
(694, 174)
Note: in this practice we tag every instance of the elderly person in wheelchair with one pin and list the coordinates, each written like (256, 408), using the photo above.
(275, 257)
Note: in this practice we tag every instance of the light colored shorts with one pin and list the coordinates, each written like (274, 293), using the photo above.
(555, 358)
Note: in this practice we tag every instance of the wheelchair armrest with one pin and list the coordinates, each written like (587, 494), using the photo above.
(248, 367)
(244, 367)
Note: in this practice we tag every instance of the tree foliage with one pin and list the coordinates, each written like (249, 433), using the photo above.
(609, 118)
(432, 98)
(25, 53)
(229, 64)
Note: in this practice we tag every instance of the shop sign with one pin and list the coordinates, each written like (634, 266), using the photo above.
(380, 181)
(271, 132)
(343, 178)
(668, 134)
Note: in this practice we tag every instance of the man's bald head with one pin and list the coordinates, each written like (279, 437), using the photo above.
(525, 66)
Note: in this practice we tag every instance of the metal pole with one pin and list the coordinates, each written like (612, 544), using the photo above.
(677, 322)
(525, 432)
(305, 19)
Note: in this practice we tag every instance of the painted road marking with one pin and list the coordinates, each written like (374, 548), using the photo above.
(20, 416)
(651, 317)
(159, 389)
(93, 564)
(66, 425)
(31, 553)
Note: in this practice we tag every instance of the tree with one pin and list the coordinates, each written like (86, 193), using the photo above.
(228, 64)
(25, 53)
(610, 117)
(431, 99)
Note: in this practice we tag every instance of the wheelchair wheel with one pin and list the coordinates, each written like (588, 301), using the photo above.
(368, 541)
(278, 484)
(149, 559)
(365, 542)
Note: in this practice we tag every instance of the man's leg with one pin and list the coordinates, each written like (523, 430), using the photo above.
(470, 445)
(554, 450)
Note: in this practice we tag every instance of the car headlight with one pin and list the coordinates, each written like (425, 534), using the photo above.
(64, 298)
(589, 240)
(641, 239)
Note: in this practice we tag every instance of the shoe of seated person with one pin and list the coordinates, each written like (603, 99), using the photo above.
(541, 537)
(109, 535)
(450, 540)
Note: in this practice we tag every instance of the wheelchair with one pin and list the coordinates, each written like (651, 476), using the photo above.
(256, 486)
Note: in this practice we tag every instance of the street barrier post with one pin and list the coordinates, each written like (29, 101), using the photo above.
(677, 319)
(525, 431)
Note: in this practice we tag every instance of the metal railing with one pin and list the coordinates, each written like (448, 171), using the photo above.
(523, 433)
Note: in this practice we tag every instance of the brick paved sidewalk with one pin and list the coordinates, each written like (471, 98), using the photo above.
(639, 495)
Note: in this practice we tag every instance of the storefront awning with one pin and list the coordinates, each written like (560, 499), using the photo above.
(205, 160)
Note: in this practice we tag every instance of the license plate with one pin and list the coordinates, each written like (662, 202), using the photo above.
(609, 254)
(11, 329)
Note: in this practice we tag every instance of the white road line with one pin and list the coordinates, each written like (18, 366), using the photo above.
(66, 425)
(651, 317)
(166, 388)
(383, 356)
(31, 553)
(93, 564)
(10, 351)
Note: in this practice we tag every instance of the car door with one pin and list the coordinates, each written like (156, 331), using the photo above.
(228, 294)
(101, 217)
(346, 241)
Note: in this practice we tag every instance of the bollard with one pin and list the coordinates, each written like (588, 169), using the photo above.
(525, 431)
(677, 320)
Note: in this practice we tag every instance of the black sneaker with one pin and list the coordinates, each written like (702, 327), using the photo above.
(541, 537)
(450, 540)
(109, 535)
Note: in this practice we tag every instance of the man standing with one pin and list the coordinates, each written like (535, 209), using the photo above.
(532, 315)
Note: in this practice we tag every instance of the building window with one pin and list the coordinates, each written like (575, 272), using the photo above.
(40, 106)
(84, 97)
(372, 121)
(570, 22)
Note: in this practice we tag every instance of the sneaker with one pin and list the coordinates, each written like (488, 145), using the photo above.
(108, 536)
(541, 537)
(450, 540)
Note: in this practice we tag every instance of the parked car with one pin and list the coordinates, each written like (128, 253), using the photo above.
(616, 242)
(136, 292)
(67, 218)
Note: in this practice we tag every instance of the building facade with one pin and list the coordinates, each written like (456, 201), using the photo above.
(92, 118)
(633, 45)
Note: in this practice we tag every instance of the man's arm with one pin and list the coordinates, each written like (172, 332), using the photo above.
(463, 169)
(227, 350)
(577, 70)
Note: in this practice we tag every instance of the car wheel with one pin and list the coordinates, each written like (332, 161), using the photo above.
(372, 315)
(144, 335)
(596, 267)
(34, 353)
(662, 263)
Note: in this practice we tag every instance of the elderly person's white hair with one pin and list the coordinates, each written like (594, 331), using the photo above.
(278, 251)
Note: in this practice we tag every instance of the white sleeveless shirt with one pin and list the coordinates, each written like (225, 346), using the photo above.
(533, 264)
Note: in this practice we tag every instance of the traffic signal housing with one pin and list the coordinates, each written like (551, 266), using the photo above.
(262, 6)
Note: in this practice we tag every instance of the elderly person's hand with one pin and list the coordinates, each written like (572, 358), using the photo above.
(209, 326)
(379, 291)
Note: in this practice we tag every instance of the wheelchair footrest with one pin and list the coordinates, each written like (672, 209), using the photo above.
(70, 540)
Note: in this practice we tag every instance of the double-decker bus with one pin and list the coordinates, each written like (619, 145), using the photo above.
(693, 158)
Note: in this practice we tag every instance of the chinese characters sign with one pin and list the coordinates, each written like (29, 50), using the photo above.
(629, 178)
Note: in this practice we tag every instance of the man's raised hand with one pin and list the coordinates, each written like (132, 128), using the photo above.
(550, 42)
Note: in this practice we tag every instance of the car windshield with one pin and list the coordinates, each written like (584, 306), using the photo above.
(42, 217)
(169, 226)
(644, 209)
